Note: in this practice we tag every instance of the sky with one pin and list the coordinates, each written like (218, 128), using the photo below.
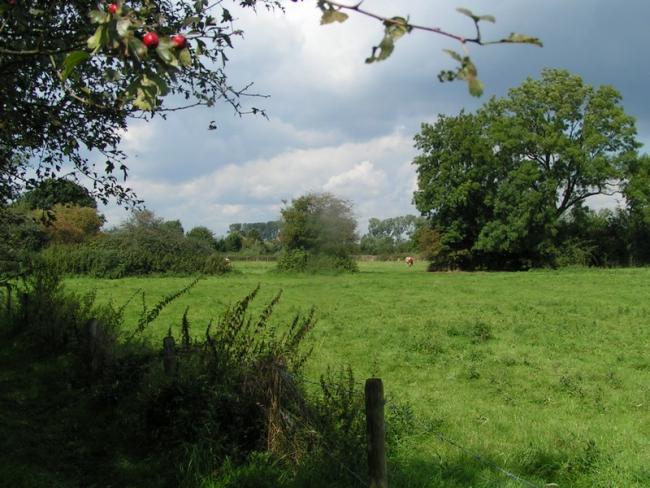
(339, 125)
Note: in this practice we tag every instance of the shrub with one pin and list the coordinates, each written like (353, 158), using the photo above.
(71, 224)
(45, 313)
(295, 260)
(302, 261)
(323, 226)
(215, 264)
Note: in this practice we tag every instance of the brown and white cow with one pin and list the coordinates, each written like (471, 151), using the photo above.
(409, 261)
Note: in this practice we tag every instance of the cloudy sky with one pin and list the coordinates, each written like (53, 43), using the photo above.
(336, 124)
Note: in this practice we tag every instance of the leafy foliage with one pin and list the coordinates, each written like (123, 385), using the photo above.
(65, 224)
(76, 85)
(496, 183)
(21, 237)
(51, 192)
(144, 244)
(391, 236)
(318, 230)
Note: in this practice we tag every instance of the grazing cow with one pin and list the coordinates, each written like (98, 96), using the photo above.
(409, 260)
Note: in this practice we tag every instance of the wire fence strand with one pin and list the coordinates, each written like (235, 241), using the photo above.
(457, 445)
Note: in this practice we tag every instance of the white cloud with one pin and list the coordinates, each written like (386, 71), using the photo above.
(138, 137)
(362, 180)
(253, 191)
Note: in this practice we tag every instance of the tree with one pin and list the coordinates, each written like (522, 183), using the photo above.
(267, 231)
(233, 242)
(72, 224)
(52, 191)
(320, 225)
(495, 183)
(394, 234)
(202, 234)
(173, 227)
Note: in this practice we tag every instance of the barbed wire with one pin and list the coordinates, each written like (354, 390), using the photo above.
(448, 440)
(485, 461)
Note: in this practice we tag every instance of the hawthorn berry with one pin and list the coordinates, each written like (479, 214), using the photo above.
(151, 40)
(112, 8)
(179, 41)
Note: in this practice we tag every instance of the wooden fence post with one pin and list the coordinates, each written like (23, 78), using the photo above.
(376, 433)
(92, 345)
(169, 358)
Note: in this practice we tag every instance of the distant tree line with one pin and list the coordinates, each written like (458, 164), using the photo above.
(394, 235)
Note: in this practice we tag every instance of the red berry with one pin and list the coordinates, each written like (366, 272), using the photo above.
(112, 8)
(11, 2)
(179, 41)
(151, 40)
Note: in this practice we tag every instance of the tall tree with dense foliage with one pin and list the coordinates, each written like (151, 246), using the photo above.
(318, 229)
(496, 183)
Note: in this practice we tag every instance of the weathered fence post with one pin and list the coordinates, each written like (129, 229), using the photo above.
(376, 433)
(92, 345)
(169, 355)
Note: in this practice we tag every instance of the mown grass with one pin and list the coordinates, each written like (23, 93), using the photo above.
(546, 373)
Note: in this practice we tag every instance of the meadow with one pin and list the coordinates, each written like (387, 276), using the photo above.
(544, 373)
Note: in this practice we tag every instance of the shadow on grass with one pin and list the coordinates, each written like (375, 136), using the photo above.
(51, 437)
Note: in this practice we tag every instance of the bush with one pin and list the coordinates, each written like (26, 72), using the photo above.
(295, 260)
(47, 315)
(318, 234)
(215, 264)
(302, 261)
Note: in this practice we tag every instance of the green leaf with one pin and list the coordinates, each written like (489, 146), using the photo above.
(143, 101)
(476, 18)
(36, 12)
(467, 12)
(454, 55)
(99, 17)
(475, 86)
(385, 48)
(98, 39)
(331, 15)
(165, 52)
(185, 57)
(488, 18)
(122, 26)
(72, 60)
(523, 39)
(137, 48)
(395, 28)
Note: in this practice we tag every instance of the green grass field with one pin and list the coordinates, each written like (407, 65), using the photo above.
(545, 373)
